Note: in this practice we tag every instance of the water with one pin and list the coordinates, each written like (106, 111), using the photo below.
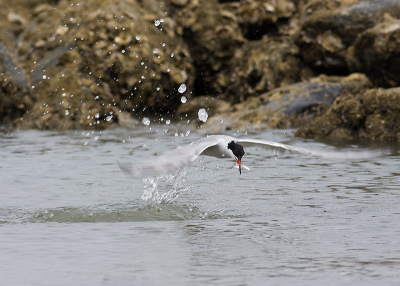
(68, 216)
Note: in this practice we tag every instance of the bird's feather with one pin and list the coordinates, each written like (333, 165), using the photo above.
(170, 161)
(332, 155)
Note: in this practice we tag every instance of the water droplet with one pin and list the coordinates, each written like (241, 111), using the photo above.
(183, 99)
(187, 133)
(137, 38)
(66, 112)
(146, 121)
(172, 55)
(182, 88)
(44, 76)
(155, 51)
(203, 115)
(157, 23)
(168, 121)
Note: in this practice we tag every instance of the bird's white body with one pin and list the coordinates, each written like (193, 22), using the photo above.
(217, 146)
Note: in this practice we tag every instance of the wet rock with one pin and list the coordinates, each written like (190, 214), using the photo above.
(382, 107)
(285, 107)
(75, 102)
(260, 66)
(51, 59)
(179, 2)
(16, 18)
(97, 64)
(294, 105)
(225, 60)
(330, 27)
(212, 34)
(14, 88)
(372, 114)
(10, 66)
(125, 54)
(258, 18)
(376, 52)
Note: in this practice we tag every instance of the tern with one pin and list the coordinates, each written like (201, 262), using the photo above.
(223, 146)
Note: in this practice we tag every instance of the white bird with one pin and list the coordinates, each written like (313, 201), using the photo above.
(223, 146)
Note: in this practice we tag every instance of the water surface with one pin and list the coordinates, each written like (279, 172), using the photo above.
(69, 216)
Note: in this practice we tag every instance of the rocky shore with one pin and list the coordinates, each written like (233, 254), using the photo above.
(331, 69)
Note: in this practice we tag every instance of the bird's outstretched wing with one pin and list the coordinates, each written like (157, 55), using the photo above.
(170, 161)
(333, 155)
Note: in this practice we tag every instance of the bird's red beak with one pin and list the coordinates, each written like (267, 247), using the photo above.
(239, 162)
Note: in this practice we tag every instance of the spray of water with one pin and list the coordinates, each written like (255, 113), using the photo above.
(154, 187)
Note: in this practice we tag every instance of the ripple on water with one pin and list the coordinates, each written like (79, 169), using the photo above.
(109, 213)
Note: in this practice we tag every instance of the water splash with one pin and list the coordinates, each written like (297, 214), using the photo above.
(182, 88)
(175, 182)
(203, 115)
(146, 121)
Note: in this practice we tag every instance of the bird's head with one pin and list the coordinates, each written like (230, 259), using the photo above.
(238, 152)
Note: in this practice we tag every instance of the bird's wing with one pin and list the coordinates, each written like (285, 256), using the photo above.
(170, 161)
(333, 155)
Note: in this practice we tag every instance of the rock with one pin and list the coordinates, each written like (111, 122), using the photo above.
(300, 97)
(257, 18)
(125, 54)
(15, 18)
(376, 52)
(329, 28)
(8, 65)
(282, 106)
(14, 88)
(260, 66)
(212, 34)
(125, 120)
(371, 114)
(293, 105)
(382, 107)
(248, 64)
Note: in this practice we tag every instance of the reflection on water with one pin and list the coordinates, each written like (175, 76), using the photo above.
(69, 216)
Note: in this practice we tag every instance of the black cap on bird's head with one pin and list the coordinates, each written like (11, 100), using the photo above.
(238, 151)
